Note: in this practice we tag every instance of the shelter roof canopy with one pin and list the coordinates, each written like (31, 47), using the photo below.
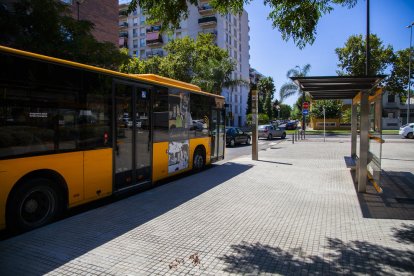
(336, 87)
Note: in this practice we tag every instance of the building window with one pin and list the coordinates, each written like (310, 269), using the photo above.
(142, 42)
(134, 32)
(135, 21)
(135, 43)
(142, 31)
(142, 53)
(391, 98)
(142, 20)
(135, 53)
(178, 35)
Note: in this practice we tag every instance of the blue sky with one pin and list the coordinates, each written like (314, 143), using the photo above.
(272, 56)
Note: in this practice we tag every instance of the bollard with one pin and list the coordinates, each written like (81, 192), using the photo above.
(293, 138)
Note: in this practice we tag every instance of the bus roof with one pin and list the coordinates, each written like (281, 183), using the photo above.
(147, 78)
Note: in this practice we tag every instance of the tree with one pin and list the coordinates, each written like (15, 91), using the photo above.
(266, 88)
(295, 19)
(195, 61)
(397, 82)
(46, 27)
(284, 111)
(262, 119)
(333, 109)
(297, 107)
(352, 56)
(289, 89)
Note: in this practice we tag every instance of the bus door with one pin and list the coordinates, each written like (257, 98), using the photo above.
(217, 134)
(133, 144)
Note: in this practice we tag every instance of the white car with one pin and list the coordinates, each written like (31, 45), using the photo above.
(407, 131)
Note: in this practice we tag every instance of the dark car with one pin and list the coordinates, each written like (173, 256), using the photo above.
(289, 125)
(235, 135)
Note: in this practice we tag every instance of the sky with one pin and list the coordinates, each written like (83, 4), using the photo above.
(272, 56)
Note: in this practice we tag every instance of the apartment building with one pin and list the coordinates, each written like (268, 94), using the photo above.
(231, 33)
(394, 112)
(102, 13)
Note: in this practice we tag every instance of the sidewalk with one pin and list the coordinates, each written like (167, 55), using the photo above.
(293, 212)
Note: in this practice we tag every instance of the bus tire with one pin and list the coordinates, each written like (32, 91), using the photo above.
(36, 202)
(199, 159)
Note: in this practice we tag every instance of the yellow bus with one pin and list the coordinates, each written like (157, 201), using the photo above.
(71, 133)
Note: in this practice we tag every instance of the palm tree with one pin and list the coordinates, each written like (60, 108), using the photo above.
(288, 89)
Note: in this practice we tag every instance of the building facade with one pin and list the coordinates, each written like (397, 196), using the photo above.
(231, 33)
(394, 113)
(102, 13)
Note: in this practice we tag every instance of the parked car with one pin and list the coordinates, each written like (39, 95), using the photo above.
(407, 131)
(269, 132)
(235, 135)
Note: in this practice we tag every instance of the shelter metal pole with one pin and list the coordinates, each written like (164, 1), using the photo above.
(255, 107)
(354, 122)
(364, 143)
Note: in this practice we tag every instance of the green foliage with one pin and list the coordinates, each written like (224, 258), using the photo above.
(46, 27)
(352, 56)
(333, 109)
(196, 61)
(262, 118)
(266, 89)
(295, 19)
(289, 89)
(397, 82)
(249, 102)
(285, 111)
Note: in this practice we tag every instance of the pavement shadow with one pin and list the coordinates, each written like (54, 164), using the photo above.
(396, 201)
(65, 240)
(349, 258)
(405, 234)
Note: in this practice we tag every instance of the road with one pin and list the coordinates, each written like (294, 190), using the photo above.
(242, 150)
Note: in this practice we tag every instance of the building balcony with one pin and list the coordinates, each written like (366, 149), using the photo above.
(153, 53)
(123, 34)
(153, 28)
(154, 39)
(123, 13)
(123, 42)
(123, 25)
(207, 21)
(205, 9)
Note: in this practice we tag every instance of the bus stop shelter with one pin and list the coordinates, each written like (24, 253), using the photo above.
(365, 96)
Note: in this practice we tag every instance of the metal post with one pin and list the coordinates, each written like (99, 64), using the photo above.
(255, 149)
(293, 138)
(409, 75)
(303, 115)
(354, 124)
(364, 143)
(324, 125)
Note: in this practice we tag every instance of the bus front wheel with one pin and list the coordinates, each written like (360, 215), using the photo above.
(199, 159)
(34, 203)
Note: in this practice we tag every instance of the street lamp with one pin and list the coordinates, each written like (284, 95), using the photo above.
(78, 3)
(409, 74)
